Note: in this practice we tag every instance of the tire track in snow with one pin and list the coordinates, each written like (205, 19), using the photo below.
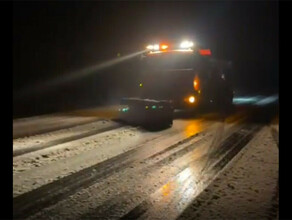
(33, 201)
(111, 208)
(204, 201)
(113, 205)
(87, 180)
(20, 131)
(232, 146)
(63, 140)
(153, 163)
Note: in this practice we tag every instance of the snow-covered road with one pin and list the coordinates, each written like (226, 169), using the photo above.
(85, 166)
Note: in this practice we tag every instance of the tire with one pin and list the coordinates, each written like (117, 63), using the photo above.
(167, 122)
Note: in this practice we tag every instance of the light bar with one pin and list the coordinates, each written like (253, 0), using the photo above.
(153, 47)
(149, 47)
(156, 46)
(185, 45)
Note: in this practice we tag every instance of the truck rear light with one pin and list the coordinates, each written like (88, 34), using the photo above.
(205, 52)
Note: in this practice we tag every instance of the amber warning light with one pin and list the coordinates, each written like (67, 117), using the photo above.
(164, 46)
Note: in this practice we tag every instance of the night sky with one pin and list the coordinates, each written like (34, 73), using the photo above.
(55, 38)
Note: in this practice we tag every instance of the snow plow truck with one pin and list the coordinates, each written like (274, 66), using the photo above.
(172, 77)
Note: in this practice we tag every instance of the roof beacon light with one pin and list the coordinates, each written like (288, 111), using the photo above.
(164, 46)
(156, 46)
(149, 47)
(186, 44)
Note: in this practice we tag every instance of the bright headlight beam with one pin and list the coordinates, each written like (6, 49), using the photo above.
(52, 83)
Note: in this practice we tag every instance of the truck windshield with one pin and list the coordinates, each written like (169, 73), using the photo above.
(168, 61)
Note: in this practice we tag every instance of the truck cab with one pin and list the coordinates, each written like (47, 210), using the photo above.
(186, 77)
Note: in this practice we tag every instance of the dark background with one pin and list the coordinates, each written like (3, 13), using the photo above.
(53, 39)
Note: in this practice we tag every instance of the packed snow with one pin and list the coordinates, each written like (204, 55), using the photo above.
(247, 188)
(37, 168)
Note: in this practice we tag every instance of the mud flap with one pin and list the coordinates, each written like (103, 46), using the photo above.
(146, 112)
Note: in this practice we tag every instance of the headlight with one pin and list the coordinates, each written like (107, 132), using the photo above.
(192, 99)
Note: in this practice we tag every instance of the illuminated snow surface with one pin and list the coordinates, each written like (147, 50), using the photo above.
(164, 181)
(247, 188)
